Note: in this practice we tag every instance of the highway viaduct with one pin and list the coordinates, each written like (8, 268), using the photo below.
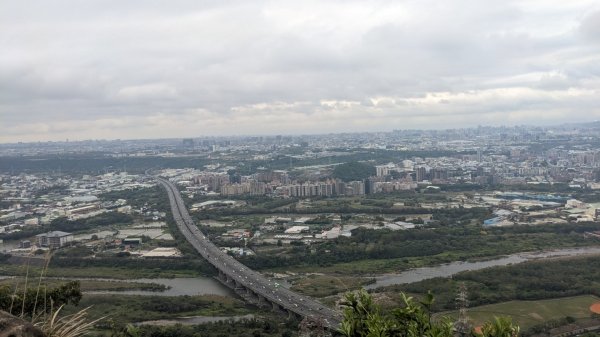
(247, 283)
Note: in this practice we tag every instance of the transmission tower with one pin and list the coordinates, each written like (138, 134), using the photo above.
(462, 327)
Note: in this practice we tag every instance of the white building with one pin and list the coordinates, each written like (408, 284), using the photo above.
(332, 233)
(297, 229)
(55, 239)
(574, 203)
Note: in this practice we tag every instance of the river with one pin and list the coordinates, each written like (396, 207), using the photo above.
(449, 269)
(210, 286)
(176, 287)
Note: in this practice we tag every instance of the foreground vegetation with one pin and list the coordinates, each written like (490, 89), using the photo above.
(364, 318)
(37, 298)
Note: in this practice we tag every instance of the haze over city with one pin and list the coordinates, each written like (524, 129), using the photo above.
(137, 69)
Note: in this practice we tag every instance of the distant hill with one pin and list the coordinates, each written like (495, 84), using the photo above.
(353, 171)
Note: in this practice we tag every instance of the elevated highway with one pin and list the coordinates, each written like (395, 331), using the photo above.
(249, 284)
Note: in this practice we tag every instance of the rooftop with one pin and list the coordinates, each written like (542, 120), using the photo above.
(55, 234)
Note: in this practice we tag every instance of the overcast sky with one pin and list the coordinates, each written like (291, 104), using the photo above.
(154, 69)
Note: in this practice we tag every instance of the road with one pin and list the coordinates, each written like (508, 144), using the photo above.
(243, 276)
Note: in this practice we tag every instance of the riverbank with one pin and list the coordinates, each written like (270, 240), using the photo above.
(449, 269)
(194, 320)
(114, 273)
(91, 285)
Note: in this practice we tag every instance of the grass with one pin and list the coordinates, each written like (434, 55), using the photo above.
(73, 325)
(529, 313)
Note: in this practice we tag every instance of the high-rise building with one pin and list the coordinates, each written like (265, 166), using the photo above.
(439, 174)
(421, 173)
(382, 170)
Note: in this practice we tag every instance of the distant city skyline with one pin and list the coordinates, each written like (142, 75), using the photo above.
(195, 139)
(574, 124)
(141, 70)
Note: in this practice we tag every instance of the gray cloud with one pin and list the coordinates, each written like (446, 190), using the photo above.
(590, 27)
(117, 69)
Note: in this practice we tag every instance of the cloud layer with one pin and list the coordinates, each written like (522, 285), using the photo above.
(146, 69)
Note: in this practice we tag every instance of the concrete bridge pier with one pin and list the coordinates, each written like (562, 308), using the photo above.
(251, 296)
(277, 308)
(258, 299)
(238, 288)
(230, 281)
(247, 294)
(262, 302)
(226, 280)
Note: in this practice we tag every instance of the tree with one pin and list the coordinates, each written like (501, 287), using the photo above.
(500, 327)
(34, 301)
(353, 171)
(364, 318)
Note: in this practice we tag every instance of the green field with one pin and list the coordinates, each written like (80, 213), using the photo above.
(529, 313)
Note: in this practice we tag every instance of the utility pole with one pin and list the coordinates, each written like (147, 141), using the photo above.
(462, 327)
